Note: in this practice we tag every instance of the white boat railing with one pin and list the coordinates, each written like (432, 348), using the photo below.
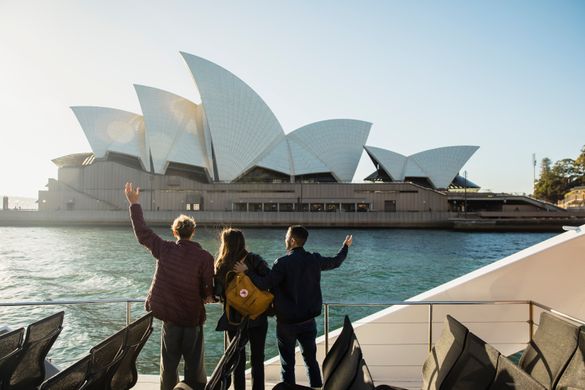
(326, 309)
(432, 304)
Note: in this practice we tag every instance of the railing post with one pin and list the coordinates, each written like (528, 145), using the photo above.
(326, 327)
(128, 313)
(530, 320)
(430, 327)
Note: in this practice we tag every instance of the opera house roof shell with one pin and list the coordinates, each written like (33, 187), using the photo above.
(232, 136)
(231, 133)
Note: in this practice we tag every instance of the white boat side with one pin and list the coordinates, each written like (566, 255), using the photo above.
(395, 340)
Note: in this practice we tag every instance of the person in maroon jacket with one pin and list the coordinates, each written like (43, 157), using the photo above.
(181, 285)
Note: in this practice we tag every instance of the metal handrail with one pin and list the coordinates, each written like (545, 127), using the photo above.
(326, 309)
(431, 305)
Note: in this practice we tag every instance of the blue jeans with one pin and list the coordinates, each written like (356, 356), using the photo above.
(287, 336)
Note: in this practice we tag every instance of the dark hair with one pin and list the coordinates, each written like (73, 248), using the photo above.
(299, 233)
(232, 248)
(184, 226)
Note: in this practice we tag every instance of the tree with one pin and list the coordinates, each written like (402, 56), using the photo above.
(557, 179)
(579, 168)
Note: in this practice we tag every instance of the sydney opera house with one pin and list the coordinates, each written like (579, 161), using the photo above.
(229, 153)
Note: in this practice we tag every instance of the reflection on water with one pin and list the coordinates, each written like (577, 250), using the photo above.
(38, 264)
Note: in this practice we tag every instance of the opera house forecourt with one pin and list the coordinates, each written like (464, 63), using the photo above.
(229, 161)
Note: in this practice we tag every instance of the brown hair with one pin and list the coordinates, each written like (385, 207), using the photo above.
(232, 248)
(184, 226)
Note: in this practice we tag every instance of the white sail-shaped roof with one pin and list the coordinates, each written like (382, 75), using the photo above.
(171, 129)
(242, 126)
(440, 165)
(443, 164)
(277, 158)
(305, 162)
(391, 162)
(112, 130)
(338, 143)
(413, 169)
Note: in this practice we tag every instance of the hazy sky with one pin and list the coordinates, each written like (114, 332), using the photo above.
(508, 76)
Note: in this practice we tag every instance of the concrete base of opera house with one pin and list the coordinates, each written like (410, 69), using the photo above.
(533, 221)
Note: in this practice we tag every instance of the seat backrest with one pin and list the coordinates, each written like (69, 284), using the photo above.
(73, 377)
(346, 371)
(10, 342)
(126, 375)
(475, 368)
(10, 348)
(227, 363)
(444, 353)
(550, 350)
(104, 359)
(510, 376)
(574, 375)
(29, 371)
(338, 349)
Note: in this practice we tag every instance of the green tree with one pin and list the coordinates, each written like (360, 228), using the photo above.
(579, 168)
(543, 185)
(557, 179)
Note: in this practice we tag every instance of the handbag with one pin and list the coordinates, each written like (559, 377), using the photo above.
(242, 295)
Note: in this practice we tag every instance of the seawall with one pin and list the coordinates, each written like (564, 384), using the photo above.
(545, 221)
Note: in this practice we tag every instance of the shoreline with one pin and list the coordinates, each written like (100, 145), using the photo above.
(480, 222)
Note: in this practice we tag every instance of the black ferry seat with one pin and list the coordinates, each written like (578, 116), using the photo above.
(552, 346)
(111, 364)
(126, 374)
(220, 378)
(104, 360)
(10, 348)
(29, 369)
(70, 378)
(574, 375)
(344, 366)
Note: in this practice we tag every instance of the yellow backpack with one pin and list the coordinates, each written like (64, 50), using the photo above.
(242, 295)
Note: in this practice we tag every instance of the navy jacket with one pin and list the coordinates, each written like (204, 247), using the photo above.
(295, 281)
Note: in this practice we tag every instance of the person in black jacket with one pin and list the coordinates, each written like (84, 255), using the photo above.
(232, 250)
(295, 281)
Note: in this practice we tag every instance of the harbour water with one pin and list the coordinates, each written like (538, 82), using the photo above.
(40, 264)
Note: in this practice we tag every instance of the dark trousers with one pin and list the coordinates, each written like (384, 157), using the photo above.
(287, 336)
(256, 337)
(176, 342)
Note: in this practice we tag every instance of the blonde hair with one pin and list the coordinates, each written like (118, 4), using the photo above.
(184, 226)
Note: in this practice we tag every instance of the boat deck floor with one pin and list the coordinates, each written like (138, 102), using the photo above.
(151, 382)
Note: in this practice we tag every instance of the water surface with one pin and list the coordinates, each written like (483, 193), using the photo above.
(38, 264)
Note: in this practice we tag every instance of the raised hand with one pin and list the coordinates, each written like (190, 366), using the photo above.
(348, 240)
(132, 195)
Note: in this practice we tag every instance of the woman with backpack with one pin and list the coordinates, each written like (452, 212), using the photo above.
(232, 249)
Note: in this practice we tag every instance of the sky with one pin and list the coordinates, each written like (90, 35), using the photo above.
(507, 76)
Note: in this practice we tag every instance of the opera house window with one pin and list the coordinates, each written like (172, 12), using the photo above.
(193, 207)
(255, 207)
(348, 207)
(332, 207)
(286, 207)
(363, 207)
(240, 206)
(316, 207)
(270, 207)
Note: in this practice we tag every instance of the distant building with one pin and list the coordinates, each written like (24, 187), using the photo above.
(230, 153)
(574, 199)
